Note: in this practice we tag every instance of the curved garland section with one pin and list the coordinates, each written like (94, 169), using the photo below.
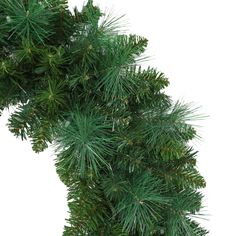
(122, 144)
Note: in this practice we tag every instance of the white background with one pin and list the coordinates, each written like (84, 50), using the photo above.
(194, 44)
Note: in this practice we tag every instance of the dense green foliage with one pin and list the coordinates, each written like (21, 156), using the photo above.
(122, 144)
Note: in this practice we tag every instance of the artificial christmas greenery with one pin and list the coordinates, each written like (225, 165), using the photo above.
(122, 144)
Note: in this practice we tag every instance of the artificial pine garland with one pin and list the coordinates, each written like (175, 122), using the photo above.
(122, 144)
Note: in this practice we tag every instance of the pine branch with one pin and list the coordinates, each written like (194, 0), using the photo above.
(140, 207)
(117, 59)
(87, 209)
(91, 14)
(187, 200)
(111, 25)
(19, 121)
(25, 122)
(51, 60)
(185, 177)
(53, 97)
(30, 20)
(168, 131)
(26, 52)
(84, 143)
(41, 136)
(62, 19)
(180, 225)
(151, 82)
